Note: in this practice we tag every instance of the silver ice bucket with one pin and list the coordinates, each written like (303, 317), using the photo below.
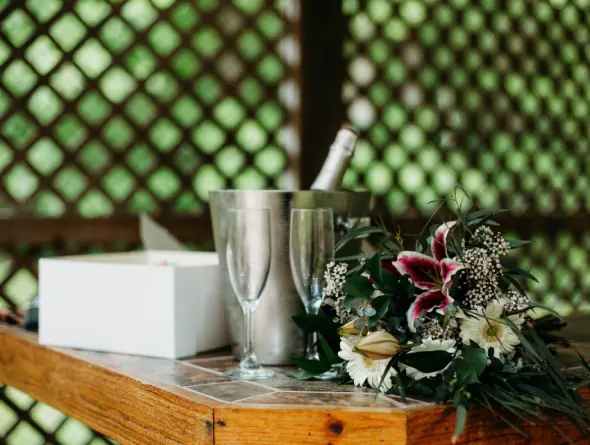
(276, 337)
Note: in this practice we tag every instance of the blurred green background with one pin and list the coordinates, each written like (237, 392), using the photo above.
(112, 107)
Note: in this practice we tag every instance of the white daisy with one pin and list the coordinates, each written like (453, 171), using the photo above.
(362, 368)
(486, 329)
(430, 345)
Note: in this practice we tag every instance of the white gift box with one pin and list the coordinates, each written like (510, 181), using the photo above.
(152, 303)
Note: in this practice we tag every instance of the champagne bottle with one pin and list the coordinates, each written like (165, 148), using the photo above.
(341, 151)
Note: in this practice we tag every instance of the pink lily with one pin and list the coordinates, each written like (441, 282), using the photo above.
(433, 275)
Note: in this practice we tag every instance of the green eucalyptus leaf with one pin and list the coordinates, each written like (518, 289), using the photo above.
(358, 286)
(476, 357)
(466, 374)
(359, 323)
(370, 312)
(461, 421)
(350, 301)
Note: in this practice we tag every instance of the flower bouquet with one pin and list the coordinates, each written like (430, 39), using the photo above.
(448, 319)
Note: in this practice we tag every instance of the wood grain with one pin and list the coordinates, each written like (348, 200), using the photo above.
(308, 425)
(74, 229)
(436, 424)
(138, 400)
(113, 403)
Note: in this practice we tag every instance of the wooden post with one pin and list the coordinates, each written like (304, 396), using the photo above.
(323, 69)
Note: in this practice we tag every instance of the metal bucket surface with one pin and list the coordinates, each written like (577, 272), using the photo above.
(276, 337)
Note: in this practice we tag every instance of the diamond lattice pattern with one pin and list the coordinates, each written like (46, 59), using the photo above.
(143, 105)
(117, 107)
(489, 94)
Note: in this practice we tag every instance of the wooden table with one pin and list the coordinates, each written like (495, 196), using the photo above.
(143, 401)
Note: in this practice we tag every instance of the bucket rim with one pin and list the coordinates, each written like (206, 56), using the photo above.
(290, 192)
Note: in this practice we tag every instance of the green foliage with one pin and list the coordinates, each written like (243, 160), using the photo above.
(476, 358)
(358, 286)
(531, 387)
(428, 361)
(328, 341)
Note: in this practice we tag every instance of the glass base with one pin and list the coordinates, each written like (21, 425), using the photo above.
(250, 374)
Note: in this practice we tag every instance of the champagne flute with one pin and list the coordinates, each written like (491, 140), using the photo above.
(248, 253)
(311, 249)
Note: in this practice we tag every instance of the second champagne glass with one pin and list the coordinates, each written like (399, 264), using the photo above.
(311, 249)
(248, 254)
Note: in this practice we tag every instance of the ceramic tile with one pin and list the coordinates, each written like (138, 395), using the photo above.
(290, 383)
(321, 399)
(231, 391)
(225, 363)
(186, 375)
(218, 364)
(129, 362)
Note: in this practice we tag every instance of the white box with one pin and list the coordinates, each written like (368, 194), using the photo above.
(130, 303)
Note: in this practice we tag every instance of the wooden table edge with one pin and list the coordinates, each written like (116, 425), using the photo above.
(134, 408)
(119, 404)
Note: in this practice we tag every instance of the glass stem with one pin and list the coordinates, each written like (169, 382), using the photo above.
(312, 339)
(249, 309)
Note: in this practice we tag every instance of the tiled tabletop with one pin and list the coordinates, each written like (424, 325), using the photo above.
(140, 400)
(204, 376)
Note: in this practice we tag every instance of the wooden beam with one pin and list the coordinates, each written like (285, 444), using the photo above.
(139, 400)
(198, 229)
(83, 230)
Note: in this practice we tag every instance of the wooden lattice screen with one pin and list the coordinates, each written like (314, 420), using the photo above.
(111, 108)
(491, 94)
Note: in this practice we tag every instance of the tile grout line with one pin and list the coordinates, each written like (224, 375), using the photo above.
(272, 389)
(207, 395)
(386, 409)
(255, 395)
(212, 371)
(203, 384)
(208, 359)
(253, 382)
